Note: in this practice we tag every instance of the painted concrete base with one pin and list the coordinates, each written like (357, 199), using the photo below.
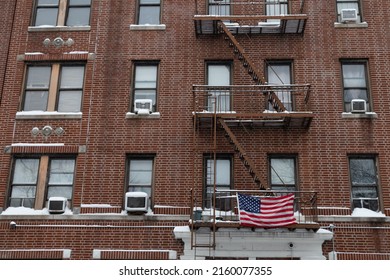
(253, 244)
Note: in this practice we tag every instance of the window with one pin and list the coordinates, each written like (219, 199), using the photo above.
(355, 85)
(149, 12)
(54, 88)
(145, 82)
(276, 7)
(218, 74)
(283, 173)
(223, 167)
(219, 7)
(62, 12)
(140, 174)
(39, 177)
(348, 4)
(279, 73)
(364, 182)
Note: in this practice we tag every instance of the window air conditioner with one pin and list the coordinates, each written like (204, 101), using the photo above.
(348, 15)
(57, 205)
(143, 106)
(136, 202)
(358, 106)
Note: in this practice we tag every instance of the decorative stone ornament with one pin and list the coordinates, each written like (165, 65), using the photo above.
(46, 131)
(58, 42)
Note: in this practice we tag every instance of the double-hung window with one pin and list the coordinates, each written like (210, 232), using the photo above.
(276, 8)
(145, 82)
(140, 174)
(220, 173)
(218, 74)
(283, 173)
(36, 179)
(149, 12)
(54, 87)
(355, 83)
(364, 182)
(279, 73)
(349, 6)
(62, 12)
(219, 7)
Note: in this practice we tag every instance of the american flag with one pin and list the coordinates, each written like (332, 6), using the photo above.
(267, 212)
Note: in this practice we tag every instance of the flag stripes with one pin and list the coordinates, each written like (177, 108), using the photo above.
(267, 212)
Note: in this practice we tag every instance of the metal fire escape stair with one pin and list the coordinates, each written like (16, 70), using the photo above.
(249, 165)
(239, 52)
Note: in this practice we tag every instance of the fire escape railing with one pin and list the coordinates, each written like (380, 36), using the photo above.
(249, 99)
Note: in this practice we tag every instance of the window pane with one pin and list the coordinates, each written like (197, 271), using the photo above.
(35, 101)
(140, 172)
(366, 192)
(25, 171)
(279, 74)
(221, 8)
(38, 77)
(283, 171)
(149, 15)
(72, 77)
(79, 2)
(146, 76)
(218, 75)
(78, 16)
(46, 2)
(46, 16)
(69, 101)
(147, 190)
(354, 76)
(223, 172)
(23, 191)
(350, 94)
(60, 191)
(142, 2)
(61, 171)
(363, 172)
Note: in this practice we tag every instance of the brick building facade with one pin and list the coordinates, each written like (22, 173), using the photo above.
(104, 101)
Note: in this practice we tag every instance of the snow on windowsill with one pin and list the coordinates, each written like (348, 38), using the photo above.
(36, 144)
(351, 25)
(366, 115)
(131, 115)
(58, 28)
(48, 115)
(148, 26)
(363, 212)
(31, 211)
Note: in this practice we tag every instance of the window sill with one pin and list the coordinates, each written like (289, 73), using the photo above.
(130, 115)
(366, 115)
(58, 28)
(351, 25)
(148, 27)
(42, 115)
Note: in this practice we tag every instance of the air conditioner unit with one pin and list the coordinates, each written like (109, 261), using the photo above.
(143, 106)
(348, 15)
(136, 202)
(358, 106)
(57, 205)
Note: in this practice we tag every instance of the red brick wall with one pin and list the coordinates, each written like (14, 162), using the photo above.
(108, 136)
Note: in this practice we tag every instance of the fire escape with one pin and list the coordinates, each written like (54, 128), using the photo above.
(257, 105)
